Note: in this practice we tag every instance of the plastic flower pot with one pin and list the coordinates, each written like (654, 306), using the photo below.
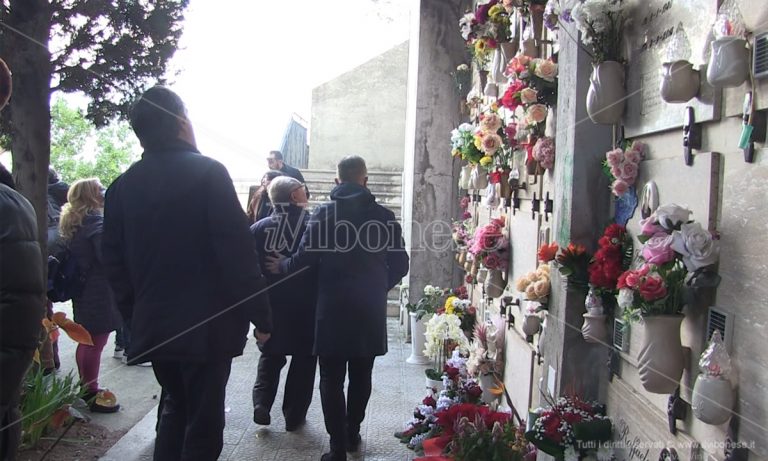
(712, 399)
(417, 341)
(594, 329)
(661, 358)
(494, 283)
(531, 324)
(606, 95)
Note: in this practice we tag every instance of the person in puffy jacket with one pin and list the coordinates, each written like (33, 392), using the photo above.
(81, 225)
(22, 306)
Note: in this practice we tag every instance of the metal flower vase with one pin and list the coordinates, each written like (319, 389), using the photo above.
(606, 96)
(661, 359)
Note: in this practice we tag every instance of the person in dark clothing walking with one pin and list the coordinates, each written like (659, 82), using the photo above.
(259, 205)
(275, 162)
(81, 228)
(22, 306)
(293, 300)
(185, 274)
(358, 248)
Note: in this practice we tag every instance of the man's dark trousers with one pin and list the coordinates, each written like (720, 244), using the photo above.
(298, 385)
(344, 420)
(192, 421)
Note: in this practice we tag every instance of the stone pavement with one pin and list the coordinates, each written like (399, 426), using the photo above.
(397, 387)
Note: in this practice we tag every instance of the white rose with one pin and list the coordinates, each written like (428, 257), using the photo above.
(626, 298)
(528, 96)
(672, 215)
(696, 246)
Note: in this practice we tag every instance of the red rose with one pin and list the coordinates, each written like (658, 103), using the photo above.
(429, 401)
(474, 391)
(452, 372)
(615, 232)
(633, 279)
(653, 288)
(622, 282)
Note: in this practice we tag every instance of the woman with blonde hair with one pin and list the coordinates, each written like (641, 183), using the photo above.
(95, 309)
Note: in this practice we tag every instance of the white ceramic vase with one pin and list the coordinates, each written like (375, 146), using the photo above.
(661, 358)
(531, 324)
(594, 329)
(494, 283)
(465, 176)
(728, 62)
(712, 399)
(679, 82)
(417, 341)
(479, 178)
(606, 95)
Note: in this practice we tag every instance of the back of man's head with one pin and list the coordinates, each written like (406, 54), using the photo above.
(156, 117)
(352, 169)
(281, 188)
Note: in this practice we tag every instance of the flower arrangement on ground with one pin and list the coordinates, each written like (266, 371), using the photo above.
(489, 245)
(535, 285)
(485, 28)
(621, 166)
(486, 353)
(570, 428)
(601, 23)
(676, 253)
(476, 432)
(443, 335)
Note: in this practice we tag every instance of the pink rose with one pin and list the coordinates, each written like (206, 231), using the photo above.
(644, 269)
(491, 143)
(649, 226)
(633, 156)
(658, 249)
(545, 69)
(616, 171)
(614, 157)
(653, 288)
(629, 172)
(619, 187)
(490, 122)
(632, 279)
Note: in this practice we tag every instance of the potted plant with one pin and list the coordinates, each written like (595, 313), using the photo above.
(571, 428)
(443, 335)
(486, 356)
(601, 24)
(677, 253)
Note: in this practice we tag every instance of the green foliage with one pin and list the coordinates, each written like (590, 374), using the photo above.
(433, 299)
(44, 400)
(501, 443)
(72, 134)
(434, 375)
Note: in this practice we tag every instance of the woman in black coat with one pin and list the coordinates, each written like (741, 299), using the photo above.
(293, 300)
(94, 308)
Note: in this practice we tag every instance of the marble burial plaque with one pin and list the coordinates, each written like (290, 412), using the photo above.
(655, 24)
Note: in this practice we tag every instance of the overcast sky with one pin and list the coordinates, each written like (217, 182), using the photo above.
(246, 66)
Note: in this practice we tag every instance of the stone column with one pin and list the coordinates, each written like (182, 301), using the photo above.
(581, 211)
(430, 191)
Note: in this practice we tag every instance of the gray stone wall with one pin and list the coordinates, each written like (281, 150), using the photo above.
(362, 112)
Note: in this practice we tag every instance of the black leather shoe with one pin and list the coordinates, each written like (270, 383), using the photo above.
(333, 456)
(353, 442)
(291, 426)
(261, 416)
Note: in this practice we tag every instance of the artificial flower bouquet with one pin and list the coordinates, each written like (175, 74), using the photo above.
(621, 165)
(429, 303)
(486, 353)
(676, 253)
(443, 335)
(459, 305)
(613, 256)
(489, 245)
(572, 261)
(463, 144)
(533, 81)
(476, 432)
(601, 24)
(535, 285)
(570, 428)
(485, 28)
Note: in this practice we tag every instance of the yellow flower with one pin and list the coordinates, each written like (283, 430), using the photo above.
(487, 160)
(455, 152)
(495, 11)
(479, 141)
(481, 47)
(449, 304)
(495, 106)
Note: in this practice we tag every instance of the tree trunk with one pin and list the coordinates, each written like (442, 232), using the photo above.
(30, 62)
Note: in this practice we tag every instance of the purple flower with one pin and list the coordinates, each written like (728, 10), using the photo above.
(565, 15)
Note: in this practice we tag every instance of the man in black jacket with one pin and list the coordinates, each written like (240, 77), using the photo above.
(358, 248)
(22, 301)
(184, 272)
(275, 162)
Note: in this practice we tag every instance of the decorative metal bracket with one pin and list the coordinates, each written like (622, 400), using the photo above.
(614, 364)
(535, 206)
(549, 207)
(677, 408)
(508, 302)
(733, 451)
(691, 135)
(515, 202)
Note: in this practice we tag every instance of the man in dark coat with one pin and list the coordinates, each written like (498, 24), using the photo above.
(184, 272)
(293, 300)
(358, 248)
(275, 162)
(22, 306)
